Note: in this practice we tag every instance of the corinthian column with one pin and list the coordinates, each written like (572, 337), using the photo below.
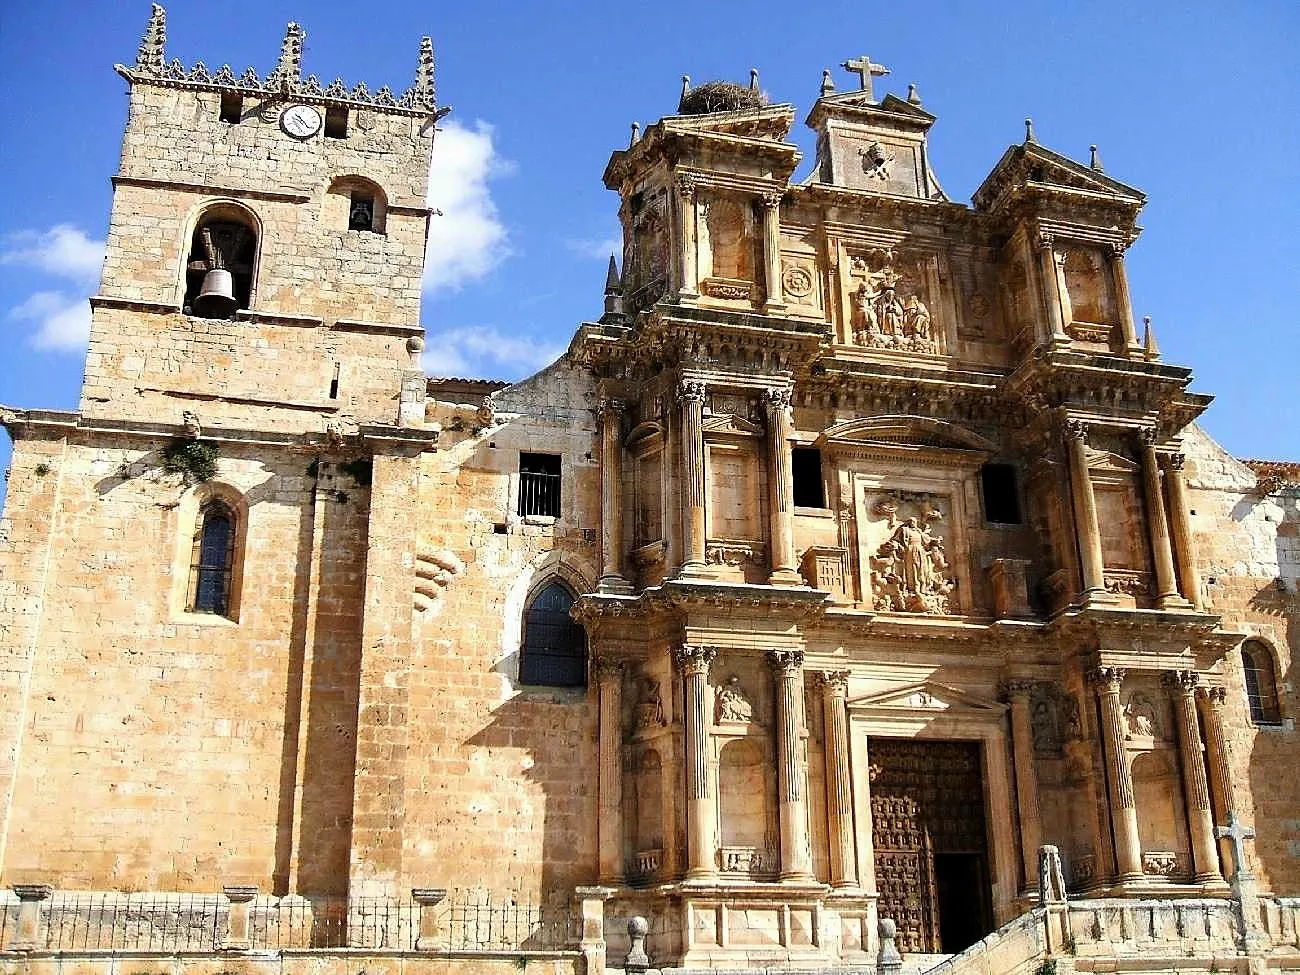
(1022, 747)
(1055, 292)
(792, 808)
(611, 498)
(772, 251)
(701, 801)
(1158, 526)
(689, 270)
(609, 827)
(1219, 766)
(1123, 303)
(1087, 531)
(780, 489)
(1123, 811)
(839, 795)
(691, 396)
(1205, 858)
(1184, 542)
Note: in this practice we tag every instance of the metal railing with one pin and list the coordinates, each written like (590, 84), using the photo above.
(165, 923)
(480, 925)
(539, 494)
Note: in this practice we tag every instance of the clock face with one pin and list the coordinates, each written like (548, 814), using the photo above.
(300, 121)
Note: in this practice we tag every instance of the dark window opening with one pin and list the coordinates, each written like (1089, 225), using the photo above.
(1001, 496)
(213, 560)
(334, 383)
(336, 123)
(1261, 684)
(232, 106)
(554, 652)
(361, 212)
(539, 484)
(806, 471)
(219, 269)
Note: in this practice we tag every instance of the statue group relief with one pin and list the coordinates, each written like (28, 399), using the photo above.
(910, 570)
(882, 317)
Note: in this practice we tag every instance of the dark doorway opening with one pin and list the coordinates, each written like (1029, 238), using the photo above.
(961, 890)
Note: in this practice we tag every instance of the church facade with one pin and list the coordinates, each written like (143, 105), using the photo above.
(860, 580)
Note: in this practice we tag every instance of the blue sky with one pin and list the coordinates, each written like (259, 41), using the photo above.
(1195, 103)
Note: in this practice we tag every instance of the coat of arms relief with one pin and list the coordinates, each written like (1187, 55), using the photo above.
(910, 571)
(888, 307)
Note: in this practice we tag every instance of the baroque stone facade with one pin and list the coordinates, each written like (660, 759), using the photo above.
(861, 561)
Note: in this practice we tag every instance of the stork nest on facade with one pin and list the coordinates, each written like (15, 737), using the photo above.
(720, 96)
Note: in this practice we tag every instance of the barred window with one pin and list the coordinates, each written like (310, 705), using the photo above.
(539, 484)
(554, 652)
(212, 564)
(1261, 683)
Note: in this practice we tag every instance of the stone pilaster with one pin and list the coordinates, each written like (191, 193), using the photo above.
(237, 936)
(611, 498)
(1205, 859)
(430, 934)
(609, 827)
(26, 936)
(792, 802)
(1123, 811)
(780, 489)
(1022, 747)
(1054, 290)
(1123, 302)
(691, 397)
(701, 800)
(1189, 581)
(772, 251)
(1087, 531)
(689, 286)
(839, 772)
(1218, 764)
(1158, 525)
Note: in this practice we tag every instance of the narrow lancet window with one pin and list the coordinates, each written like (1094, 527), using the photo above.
(212, 564)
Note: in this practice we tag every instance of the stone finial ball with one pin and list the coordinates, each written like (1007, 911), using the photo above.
(638, 927)
(887, 927)
(415, 345)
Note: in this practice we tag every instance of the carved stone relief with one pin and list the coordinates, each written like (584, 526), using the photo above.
(648, 712)
(1143, 717)
(910, 572)
(888, 304)
(731, 703)
(1091, 301)
(1054, 719)
(649, 253)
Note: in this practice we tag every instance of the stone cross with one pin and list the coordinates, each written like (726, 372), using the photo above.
(1236, 833)
(866, 70)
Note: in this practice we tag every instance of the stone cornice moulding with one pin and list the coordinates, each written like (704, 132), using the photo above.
(376, 328)
(134, 304)
(263, 317)
(205, 189)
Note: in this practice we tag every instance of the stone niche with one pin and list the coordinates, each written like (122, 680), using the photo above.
(646, 251)
(1093, 312)
(728, 240)
(891, 301)
(645, 447)
(1121, 519)
(650, 769)
(735, 546)
(1151, 750)
(744, 760)
(908, 557)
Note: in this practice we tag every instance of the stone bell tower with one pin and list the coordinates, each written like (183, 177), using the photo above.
(266, 245)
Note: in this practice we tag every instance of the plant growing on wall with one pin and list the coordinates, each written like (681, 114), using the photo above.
(194, 460)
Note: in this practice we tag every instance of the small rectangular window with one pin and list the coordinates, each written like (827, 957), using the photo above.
(232, 107)
(334, 383)
(336, 123)
(806, 470)
(1001, 496)
(539, 484)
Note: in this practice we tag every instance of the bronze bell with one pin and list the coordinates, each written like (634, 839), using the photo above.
(216, 299)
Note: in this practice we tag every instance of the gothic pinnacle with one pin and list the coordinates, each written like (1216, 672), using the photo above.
(423, 92)
(1095, 162)
(828, 85)
(612, 284)
(151, 56)
(288, 70)
(686, 87)
(1150, 350)
(1029, 132)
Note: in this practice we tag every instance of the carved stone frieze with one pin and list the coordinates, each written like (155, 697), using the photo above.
(888, 310)
(731, 704)
(734, 554)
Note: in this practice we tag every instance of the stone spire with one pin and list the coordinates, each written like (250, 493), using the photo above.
(1150, 350)
(1095, 162)
(288, 70)
(1029, 132)
(613, 292)
(828, 83)
(151, 56)
(423, 94)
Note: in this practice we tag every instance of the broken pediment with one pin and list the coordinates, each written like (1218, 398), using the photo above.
(903, 431)
(928, 695)
(1032, 167)
(731, 425)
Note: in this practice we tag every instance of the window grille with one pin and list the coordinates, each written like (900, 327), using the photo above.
(554, 653)
(1261, 684)
(539, 484)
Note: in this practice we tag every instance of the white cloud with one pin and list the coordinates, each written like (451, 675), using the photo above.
(468, 240)
(63, 320)
(63, 250)
(486, 352)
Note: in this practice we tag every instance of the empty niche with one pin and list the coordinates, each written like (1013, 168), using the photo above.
(356, 203)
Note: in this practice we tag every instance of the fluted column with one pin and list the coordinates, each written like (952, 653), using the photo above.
(792, 803)
(1123, 302)
(780, 489)
(1055, 293)
(1219, 766)
(1158, 525)
(839, 793)
(1123, 811)
(1205, 858)
(1180, 517)
(611, 498)
(691, 396)
(1085, 511)
(772, 251)
(701, 800)
(609, 783)
(1022, 747)
(689, 271)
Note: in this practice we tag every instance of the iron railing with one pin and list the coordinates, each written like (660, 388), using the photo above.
(539, 494)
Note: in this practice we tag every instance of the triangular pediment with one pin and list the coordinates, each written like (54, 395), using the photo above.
(1031, 165)
(771, 123)
(904, 431)
(730, 425)
(1105, 461)
(930, 695)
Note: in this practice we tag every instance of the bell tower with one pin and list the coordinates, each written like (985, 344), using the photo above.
(266, 246)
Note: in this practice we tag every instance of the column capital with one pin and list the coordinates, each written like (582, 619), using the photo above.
(1117, 249)
(691, 391)
(1017, 689)
(1149, 436)
(33, 892)
(693, 659)
(775, 400)
(834, 683)
(1075, 429)
(1215, 697)
(607, 669)
(610, 407)
(772, 199)
(1180, 683)
(1044, 241)
(785, 663)
(1106, 680)
(686, 184)
(1176, 460)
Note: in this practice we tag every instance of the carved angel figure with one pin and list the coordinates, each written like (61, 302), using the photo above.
(732, 705)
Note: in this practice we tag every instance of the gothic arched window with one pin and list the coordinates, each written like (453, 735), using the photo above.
(212, 564)
(1261, 683)
(220, 265)
(554, 651)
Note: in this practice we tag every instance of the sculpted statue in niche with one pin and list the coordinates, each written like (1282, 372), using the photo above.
(650, 254)
(1142, 717)
(884, 316)
(910, 570)
(1054, 719)
(649, 704)
(729, 239)
(732, 704)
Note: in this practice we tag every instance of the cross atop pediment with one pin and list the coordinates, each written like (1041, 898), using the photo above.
(866, 70)
(1236, 833)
